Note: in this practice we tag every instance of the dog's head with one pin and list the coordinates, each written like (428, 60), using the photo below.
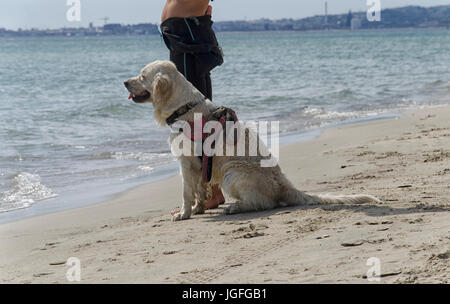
(161, 84)
(153, 84)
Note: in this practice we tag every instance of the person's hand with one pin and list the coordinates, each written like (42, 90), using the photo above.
(209, 10)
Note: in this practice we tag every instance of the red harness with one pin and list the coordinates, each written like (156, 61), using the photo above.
(221, 115)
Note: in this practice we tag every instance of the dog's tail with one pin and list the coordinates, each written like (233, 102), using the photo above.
(294, 197)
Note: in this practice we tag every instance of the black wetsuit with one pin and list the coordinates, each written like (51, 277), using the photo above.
(194, 49)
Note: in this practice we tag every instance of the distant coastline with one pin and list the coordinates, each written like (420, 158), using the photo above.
(404, 17)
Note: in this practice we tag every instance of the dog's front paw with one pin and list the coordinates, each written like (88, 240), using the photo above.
(180, 216)
(199, 208)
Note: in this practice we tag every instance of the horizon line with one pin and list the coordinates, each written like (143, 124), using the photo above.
(216, 21)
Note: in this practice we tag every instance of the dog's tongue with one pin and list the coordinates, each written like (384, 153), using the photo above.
(130, 97)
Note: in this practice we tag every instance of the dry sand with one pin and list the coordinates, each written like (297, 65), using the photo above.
(131, 239)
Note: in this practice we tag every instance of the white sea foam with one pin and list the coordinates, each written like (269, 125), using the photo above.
(141, 156)
(146, 169)
(26, 190)
(323, 114)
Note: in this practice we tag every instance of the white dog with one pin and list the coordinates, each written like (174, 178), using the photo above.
(247, 186)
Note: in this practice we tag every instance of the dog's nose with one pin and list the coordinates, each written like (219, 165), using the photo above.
(126, 83)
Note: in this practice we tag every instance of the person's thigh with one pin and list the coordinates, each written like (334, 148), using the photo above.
(185, 64)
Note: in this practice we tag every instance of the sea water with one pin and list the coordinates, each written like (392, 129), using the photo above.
(69, 137)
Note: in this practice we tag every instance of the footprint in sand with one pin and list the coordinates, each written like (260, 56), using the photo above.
(42, 274)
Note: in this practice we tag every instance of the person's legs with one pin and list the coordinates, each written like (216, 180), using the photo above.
(185, 64)
(216, 199)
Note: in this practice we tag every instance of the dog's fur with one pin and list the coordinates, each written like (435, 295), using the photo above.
(246, 185)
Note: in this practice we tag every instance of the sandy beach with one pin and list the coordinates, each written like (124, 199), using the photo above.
(405, 162)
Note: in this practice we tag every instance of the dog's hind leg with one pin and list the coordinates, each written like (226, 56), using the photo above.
(244, 194)
(249, 203)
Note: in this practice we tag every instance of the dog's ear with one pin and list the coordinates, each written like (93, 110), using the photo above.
(162, 87)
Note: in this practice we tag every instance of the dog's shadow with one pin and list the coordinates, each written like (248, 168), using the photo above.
(370, 210)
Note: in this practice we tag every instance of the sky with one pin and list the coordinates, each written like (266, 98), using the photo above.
(43, 14)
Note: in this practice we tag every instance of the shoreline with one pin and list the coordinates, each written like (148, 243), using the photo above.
(84, 31)
(165, 172)
(405, 162)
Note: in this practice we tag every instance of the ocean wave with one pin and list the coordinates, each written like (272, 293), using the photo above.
(26, 190)
(146, 169)
(113, 109)
(436, 83)
(141, 156)
(315, 117)
(345, 93)
(320, 113)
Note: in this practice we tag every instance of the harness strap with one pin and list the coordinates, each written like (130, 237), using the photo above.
(180, 112)
(221, 115)
(207, 164)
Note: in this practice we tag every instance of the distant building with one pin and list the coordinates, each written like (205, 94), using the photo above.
(356, 23)
(349, 19)
(113, 28)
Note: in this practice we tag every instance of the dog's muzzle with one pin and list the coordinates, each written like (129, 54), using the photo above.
(140, 98)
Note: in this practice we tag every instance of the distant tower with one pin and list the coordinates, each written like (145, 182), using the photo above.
(349, 19)
(105, 20)
(326, 14)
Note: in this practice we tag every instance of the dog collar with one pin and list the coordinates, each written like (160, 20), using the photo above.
(180, 112)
